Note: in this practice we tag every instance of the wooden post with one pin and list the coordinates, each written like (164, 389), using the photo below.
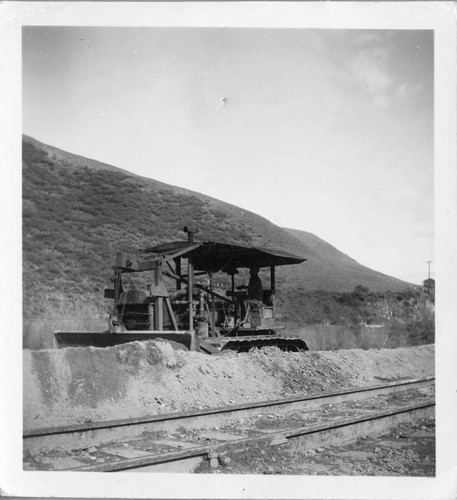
(272, 280)
(157, 273)
(273, 289)
(158, 302)
(178, 272)
(151, 316)
(213, 307)
(190, 288)
(171, 313)
(158, 313)
(190, 276)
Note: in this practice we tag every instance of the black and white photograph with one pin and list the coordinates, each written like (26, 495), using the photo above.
(232, 250)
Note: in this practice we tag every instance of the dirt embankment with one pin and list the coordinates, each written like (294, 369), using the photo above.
(89, 384)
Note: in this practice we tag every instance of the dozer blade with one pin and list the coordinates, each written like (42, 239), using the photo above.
(105, 339)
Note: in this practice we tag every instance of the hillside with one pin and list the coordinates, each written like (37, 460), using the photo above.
(78, 212)
(333, 270)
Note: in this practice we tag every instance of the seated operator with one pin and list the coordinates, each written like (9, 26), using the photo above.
(255, 288)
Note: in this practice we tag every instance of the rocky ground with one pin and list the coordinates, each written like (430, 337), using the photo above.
(405, 450)
(75, 385)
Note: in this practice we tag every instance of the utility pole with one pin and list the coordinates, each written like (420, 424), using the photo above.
(429, 262)
(428, 282)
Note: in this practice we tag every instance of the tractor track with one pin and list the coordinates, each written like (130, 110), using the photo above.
(354, 413)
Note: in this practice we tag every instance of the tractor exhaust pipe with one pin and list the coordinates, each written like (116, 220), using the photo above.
(191, 231)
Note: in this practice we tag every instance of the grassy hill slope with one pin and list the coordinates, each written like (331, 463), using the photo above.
(333, 270)
(78, 212)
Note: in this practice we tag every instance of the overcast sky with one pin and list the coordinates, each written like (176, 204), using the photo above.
(327, 131)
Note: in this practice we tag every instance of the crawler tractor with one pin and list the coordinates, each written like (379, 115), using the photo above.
(204, 311)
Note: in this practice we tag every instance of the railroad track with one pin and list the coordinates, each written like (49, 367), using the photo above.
(354, 412)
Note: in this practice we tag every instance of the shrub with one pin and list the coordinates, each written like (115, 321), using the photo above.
(361, 291)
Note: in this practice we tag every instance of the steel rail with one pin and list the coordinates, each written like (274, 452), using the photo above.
(93, 433)
(338, 432)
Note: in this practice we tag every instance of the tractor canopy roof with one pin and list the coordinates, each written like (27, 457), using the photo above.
(212, 256)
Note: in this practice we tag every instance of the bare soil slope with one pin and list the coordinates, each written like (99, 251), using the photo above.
(80, 384)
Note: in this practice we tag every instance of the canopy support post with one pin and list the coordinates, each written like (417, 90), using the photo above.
(178, 272)
(213, 307)
(272, 280)
(190, 289)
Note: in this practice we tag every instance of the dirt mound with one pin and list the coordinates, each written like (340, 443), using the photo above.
(142, 378)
